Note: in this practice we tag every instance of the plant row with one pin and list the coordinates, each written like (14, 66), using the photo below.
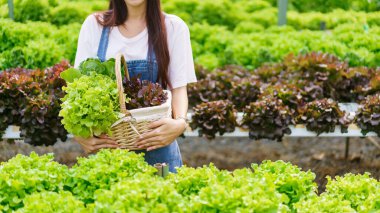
(121, 181)
(270, 118)
(40, 45)
(296, 79)
(56, 12)
(328, 5)
(215, 46)
(36, 44)
(302, 89)
(234, 14)
(222, 32)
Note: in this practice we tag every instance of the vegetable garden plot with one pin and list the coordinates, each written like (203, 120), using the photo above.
(118, 180)
(276, 99)
(223, 32)
(301, 93)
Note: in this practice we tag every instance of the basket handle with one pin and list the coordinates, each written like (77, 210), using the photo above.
(119, 61)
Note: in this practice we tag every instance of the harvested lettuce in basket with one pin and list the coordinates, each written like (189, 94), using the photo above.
(89, 66)
(90, 106)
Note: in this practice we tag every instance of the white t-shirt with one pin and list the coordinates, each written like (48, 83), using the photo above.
(181, 67)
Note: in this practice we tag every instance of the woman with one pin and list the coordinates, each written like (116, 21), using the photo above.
(157, 47)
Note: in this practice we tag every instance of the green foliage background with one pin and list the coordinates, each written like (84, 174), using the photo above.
(242, 32)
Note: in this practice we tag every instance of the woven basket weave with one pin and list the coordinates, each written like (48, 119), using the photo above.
(135, 122)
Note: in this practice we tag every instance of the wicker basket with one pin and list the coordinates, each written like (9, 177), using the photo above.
(135, 122)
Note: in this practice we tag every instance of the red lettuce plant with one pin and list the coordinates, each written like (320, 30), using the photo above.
(315, 70)
(315, 66)
(267, 118)
(143, 93)
(206, 90)
(368, 115)
(244, 92)
(375, 81)
(216, 85)
(30, 99)
(40, 124)
(354, 85)
(269, 73)
(289, 94)
(322, 116)
(312, 91)
(214, 117)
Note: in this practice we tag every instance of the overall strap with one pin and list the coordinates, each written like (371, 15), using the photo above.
(103, 44)
(152, 64)
(151, 56)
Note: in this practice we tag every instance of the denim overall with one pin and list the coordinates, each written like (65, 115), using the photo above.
(169, 154)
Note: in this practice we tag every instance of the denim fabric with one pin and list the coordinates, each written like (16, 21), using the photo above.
(148, 70)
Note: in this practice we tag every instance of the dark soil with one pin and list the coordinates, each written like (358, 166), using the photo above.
(323, 156)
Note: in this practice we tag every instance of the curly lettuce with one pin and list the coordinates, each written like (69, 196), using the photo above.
(90, 105)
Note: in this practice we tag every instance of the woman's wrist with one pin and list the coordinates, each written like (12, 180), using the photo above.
(184, 123)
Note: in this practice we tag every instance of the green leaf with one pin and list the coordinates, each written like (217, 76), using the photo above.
(70, 75)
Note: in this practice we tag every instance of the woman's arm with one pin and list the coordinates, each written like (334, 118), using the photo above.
(166, 130)
(180, 102)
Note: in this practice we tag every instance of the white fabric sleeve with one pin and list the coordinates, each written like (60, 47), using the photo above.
(85, 48)
(181, 66)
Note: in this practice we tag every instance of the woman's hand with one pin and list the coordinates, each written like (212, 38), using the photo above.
(93, 144)
(163, 133)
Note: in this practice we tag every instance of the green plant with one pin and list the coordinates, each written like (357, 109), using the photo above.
(90, 105)
(267, 118)
(140, 194)
(116, 180)
(31, 10)
(209, 189)
(52, 202)
(356, 189)
(288, 179)
(104, 169)
(323, 203)
(35, 54)
(245, 192)
(106, 68)
(190, 181)
(214, 117)
(90, 66)
(66, 14)
(24, 175)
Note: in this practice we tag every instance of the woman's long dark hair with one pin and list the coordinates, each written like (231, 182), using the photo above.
(117, 14)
